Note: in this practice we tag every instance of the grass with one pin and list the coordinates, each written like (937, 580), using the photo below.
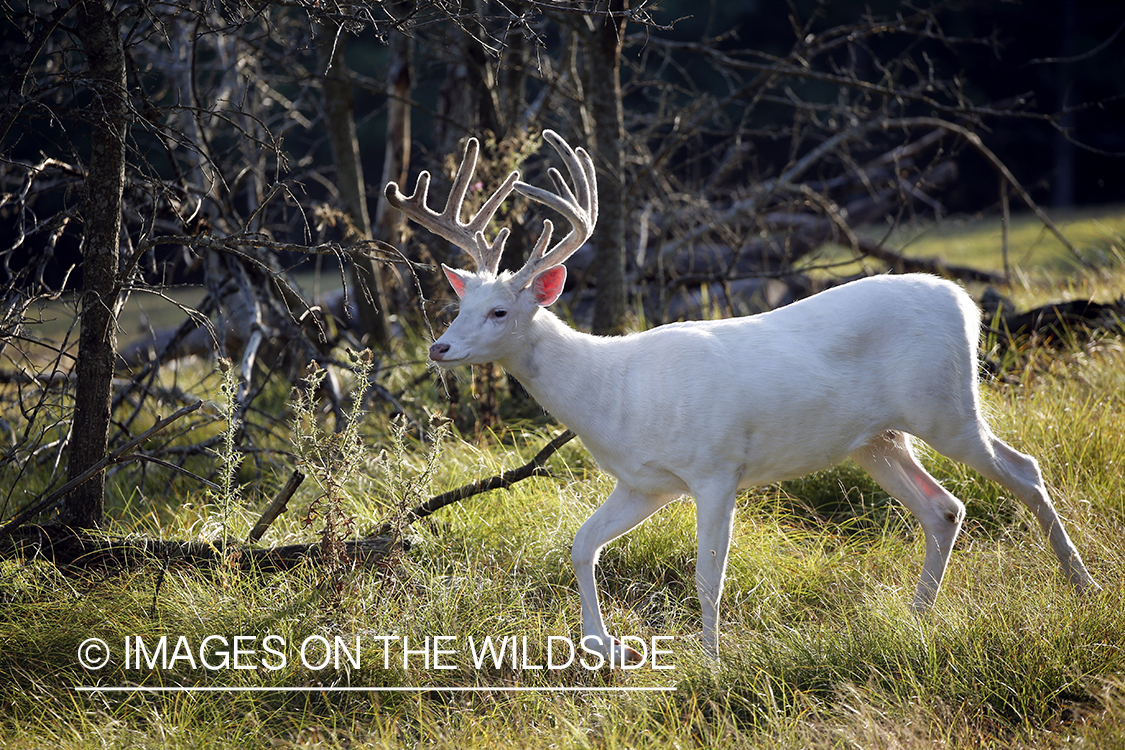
(818, 647)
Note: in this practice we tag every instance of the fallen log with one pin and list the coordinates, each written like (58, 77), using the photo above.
(1060, 320)
(1052, 323)
(1054, 326)
(68, 549)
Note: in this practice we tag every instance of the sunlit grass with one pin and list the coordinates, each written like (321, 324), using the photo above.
(1099, 234)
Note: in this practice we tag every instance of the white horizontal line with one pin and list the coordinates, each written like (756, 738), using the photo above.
(350, 689)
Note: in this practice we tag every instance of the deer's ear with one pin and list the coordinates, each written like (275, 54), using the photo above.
(456, 279)
(548, 285)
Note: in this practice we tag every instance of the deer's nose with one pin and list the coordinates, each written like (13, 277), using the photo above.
(438, 352)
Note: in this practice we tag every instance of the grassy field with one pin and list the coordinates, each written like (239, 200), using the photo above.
(818, 648)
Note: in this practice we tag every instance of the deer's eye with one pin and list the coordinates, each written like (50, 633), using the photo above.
(498, 314)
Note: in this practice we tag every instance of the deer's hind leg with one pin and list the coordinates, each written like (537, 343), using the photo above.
(714, 520)
(890, 461)
(994, 459)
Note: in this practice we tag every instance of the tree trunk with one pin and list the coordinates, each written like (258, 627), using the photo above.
(603, 91)
(339, 114)
(98, 32)
(390, 224)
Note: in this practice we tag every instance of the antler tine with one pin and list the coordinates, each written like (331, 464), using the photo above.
(579, 206)
(447, 224)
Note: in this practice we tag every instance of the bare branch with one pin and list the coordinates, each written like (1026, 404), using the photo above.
(536, 467)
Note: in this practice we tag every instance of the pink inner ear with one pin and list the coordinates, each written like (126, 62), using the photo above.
(455, 280)
(549, 285)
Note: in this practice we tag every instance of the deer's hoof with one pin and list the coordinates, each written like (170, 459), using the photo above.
(625, 654)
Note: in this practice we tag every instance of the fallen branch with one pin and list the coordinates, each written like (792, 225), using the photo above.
(276, 506)
(787, 182)
(536, 467)
(902, 264)
(64, 547)
(1061, 321)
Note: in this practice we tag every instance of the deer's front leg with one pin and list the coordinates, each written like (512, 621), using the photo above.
(714, 517)
(621, 511)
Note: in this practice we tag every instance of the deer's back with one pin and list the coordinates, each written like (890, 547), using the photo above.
(787, 392)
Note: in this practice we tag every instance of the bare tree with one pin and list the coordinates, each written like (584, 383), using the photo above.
(603, 42)
(186, 171)
(339, 119)
(99, 34)
(217, 174)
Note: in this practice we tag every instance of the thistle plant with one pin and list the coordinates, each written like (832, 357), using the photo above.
(226, 496)
(331, 460)
(407, 486)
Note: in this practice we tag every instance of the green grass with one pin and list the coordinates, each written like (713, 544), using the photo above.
(818, 647)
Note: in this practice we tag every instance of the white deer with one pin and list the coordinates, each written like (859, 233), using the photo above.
(708, 408)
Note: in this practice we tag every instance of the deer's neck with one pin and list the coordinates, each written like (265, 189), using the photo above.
(565, 370)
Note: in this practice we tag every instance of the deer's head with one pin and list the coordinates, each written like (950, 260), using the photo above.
(494, 305)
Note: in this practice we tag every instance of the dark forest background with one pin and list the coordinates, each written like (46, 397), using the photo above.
(1055, 67)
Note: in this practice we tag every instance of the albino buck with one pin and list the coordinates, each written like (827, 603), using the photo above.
(707, 408)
